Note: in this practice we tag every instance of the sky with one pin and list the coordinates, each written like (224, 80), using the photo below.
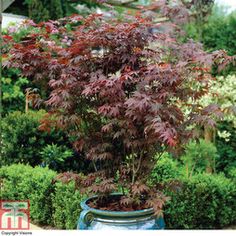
(230, 3)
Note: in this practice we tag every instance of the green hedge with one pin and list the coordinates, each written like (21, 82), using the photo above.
(203, 202)
(23, 141)
(66, 206)
(56, 205)
(22, 182)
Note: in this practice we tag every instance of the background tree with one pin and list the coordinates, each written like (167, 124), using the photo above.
(200, 11)
(37, 11)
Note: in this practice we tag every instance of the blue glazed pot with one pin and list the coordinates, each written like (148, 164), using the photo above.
(94, 219)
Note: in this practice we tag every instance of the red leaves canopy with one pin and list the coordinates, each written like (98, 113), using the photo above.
(122, 91)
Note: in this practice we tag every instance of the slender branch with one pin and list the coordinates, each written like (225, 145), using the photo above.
(192, 169)
(133, 169)
(94, 166)
(161, 155)
(133, 166)
(139, 163)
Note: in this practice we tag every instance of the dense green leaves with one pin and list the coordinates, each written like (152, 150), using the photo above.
(55, 205)
(66, 206)
(166, 169)
(226, 146)
(203, 202)
(13, 94)
(199, 157)
(53, 155)
(22, 139)
(217, 31)
(21, 182)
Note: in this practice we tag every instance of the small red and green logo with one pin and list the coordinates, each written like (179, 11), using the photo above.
(14, 215)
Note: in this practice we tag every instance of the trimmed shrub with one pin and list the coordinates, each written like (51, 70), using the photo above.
(66, 206)
(23, 141)
(22, 182)
(50, 204)
(13, 87)
(165, 169)
(203, 202)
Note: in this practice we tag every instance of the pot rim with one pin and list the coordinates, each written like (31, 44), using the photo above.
(144, 212)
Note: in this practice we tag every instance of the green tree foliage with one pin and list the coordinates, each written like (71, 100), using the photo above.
(218, 32)
(24, 142)
(37, 11)
(232, 173)
(165, 169)
(223, 92)
(56, 9)
(43, 10)
(13, 87)
(199, 156)
(226, 146)
(200, 10)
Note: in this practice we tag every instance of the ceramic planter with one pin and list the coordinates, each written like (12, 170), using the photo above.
(94, 219)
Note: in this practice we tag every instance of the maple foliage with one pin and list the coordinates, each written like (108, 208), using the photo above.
(121, 89)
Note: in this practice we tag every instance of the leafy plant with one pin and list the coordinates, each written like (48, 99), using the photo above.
(52, 155)
(217, 31)
(66, 205)
(38, 11)
(22, 141)
(226, 145)
(203, 202)
(232, 173)
(56, 205)
(121, 92)
(44, 10)
(22, 182)
(166, 169)
(199, 156)
(222, 92)
(13, 94)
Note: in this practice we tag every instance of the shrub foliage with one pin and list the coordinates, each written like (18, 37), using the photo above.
(22, 182)
(202, 202)
(22, 141)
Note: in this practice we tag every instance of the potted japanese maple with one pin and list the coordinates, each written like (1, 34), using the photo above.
(124, 91)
